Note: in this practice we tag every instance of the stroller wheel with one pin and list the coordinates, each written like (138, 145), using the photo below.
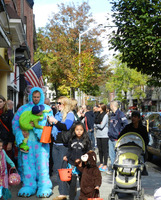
(139, 198)
(113, 197)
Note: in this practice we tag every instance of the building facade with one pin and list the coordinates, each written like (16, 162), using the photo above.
(17, 46)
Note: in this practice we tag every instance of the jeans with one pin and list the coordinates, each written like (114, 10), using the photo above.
(58, 152)
(112, 152)
(92, 138)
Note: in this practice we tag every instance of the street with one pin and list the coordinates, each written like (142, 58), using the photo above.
(150, 183)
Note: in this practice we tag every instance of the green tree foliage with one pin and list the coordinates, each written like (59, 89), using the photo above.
(58, 50)
(138, 37)
(125, 79)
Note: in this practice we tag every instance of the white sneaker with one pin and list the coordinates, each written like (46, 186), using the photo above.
(109, 172)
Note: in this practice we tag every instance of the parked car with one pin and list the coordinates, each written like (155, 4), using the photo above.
(144, 116)
(154, 128)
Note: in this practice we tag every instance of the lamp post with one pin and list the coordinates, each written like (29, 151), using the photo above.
(80, 35)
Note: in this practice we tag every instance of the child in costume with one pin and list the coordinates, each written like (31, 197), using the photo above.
(91, 176)
(4, 159)
(79, 144)
(26, 120)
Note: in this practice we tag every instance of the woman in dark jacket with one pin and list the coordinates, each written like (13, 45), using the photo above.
(6, 133)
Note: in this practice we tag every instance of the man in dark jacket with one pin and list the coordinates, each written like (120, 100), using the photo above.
(117, 122)
(136, 126)
(89, 124)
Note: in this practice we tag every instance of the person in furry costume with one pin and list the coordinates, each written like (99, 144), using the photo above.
(91, 176)
(34, 165)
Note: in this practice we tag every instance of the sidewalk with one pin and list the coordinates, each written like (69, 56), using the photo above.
(150, 183)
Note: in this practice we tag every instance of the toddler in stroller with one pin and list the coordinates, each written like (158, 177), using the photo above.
(128, 165)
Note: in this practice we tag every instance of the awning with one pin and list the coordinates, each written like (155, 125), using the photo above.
(16, 27)
(4, 66)
(4, 41)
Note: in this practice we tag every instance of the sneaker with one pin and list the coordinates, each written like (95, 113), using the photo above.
(100, 167)
(24, 148)
(109, 172)
(104, 169)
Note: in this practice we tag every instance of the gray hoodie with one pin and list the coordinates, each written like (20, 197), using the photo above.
(102, 129)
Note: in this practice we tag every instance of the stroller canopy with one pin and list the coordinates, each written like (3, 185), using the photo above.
(131, 138)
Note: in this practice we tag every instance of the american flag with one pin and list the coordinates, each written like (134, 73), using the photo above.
(33, 76)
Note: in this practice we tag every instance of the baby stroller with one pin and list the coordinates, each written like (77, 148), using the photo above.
(128, 165)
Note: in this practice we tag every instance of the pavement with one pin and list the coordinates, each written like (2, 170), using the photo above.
(150, 183)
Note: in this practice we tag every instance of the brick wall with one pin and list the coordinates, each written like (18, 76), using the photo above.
(26, 14)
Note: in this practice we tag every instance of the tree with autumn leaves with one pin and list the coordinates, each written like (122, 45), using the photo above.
(58, 51)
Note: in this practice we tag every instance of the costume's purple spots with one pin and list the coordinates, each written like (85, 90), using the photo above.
(20, 109)
(31, 184)
(37, 155)
(38, 167)
(25, 157)
(36, 146)
(43, 181)
(43, 163)
(17, 117)
(48, 182)
(42, 174)
(28, 176)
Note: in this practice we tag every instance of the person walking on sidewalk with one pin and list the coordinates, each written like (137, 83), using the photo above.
(62, 121)
(89, 124)
(137, 127)
(101, 126)
(116, 124)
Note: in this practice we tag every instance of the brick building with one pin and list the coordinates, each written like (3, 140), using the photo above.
(17, 22)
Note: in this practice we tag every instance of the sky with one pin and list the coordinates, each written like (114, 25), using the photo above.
(99, 8)
(43, 9)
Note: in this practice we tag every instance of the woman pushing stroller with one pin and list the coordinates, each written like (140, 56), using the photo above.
(137, 127)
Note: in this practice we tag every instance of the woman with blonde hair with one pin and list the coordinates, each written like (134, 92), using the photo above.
(62, 121)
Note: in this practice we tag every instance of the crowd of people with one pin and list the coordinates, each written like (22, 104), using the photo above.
(88, 129)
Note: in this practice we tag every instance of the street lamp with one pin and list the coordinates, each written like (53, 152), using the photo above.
(80, 35)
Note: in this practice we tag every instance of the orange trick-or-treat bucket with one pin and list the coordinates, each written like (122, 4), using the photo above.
(46, 134)
(65, 174)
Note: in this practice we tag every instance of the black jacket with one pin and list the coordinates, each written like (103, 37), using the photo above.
(6, 134)
(76, 149)
(141, 130)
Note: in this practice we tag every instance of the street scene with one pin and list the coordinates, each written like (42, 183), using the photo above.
(80, 99)
(150, 183)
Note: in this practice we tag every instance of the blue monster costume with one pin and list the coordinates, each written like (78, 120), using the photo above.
(35, 164)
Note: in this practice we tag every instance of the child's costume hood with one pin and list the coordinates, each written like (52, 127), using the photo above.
(90, 158)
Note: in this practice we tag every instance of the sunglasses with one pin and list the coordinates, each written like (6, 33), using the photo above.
(59, 103)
